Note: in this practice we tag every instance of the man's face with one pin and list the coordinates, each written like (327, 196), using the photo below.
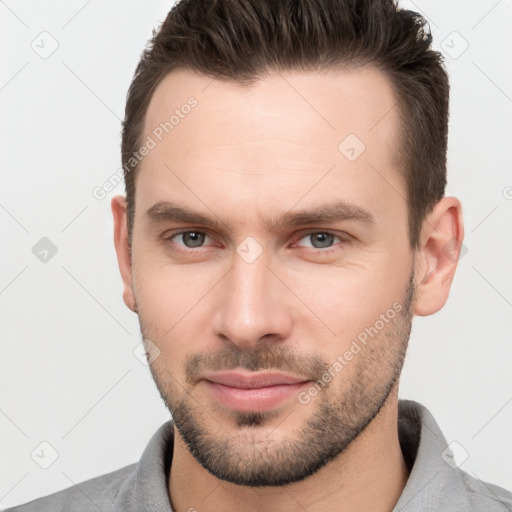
(302, 258)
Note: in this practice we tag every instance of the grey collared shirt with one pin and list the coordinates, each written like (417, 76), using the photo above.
(435, 483)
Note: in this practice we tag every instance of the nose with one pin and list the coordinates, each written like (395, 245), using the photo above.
(253, 305)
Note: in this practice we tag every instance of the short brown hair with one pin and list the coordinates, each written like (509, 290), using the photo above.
(241, 40)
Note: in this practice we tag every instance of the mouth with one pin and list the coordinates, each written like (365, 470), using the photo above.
(253, 391)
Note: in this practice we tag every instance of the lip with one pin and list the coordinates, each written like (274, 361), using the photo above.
(253, 391)
(252, 380)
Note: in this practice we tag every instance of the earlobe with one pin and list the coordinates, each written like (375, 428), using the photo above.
(118, 205)
(437, 258)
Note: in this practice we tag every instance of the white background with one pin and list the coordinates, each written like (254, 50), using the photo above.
(68, 375)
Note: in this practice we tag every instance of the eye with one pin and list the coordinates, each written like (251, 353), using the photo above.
(189, 239)
(319, 240)
(315, 239)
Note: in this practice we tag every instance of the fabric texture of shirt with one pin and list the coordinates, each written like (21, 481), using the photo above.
(435, 482)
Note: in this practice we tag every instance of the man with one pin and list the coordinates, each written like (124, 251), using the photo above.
(284, 220)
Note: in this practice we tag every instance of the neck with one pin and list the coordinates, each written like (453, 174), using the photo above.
(370, 474)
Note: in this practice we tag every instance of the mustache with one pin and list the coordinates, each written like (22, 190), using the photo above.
(262, 357)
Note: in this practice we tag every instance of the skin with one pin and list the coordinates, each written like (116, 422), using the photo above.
(243, 157)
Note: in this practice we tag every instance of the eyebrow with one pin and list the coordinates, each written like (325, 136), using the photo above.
(165, 211)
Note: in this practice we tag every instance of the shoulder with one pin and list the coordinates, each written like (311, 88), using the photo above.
(486, 496)
(435, 482)
(89, 496)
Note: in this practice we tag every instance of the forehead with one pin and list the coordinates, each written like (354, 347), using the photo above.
(291, 105)
(275, 139)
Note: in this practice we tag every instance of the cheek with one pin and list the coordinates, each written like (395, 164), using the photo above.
(167, 289)
(173, 307)
(348, 300)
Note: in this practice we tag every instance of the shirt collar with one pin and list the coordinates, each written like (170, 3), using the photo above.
(435, 482)
(147, 487)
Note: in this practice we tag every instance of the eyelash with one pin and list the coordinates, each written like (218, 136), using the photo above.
(326, 250)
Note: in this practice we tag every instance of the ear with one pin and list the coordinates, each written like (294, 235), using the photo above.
(438, 255)
(118, 205)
